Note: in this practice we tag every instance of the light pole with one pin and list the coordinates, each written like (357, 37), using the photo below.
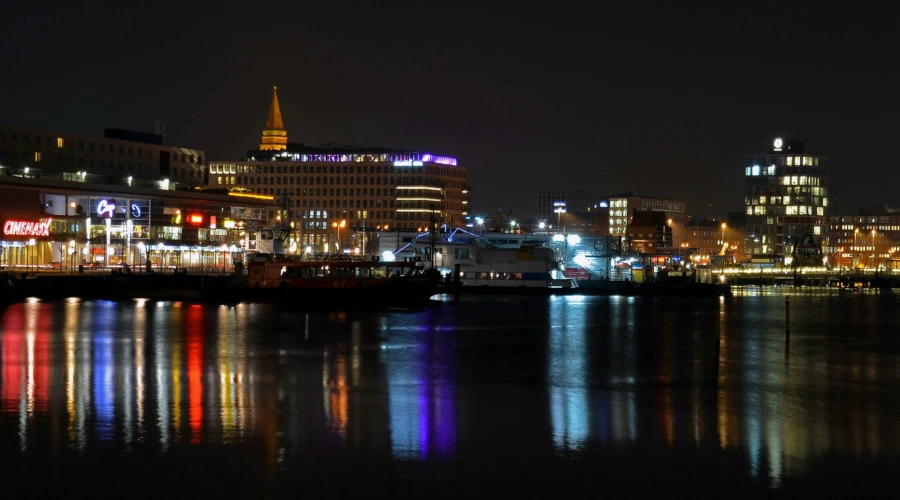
(874, 250)
(338, 226)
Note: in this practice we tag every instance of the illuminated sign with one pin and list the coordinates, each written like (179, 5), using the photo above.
(106, 207)
(228, 224)
(407, 163)
(212, 221)
(777, 144)
(27, 228)
(135, 211)
(195, 219)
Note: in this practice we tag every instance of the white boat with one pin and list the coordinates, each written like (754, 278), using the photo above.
(486, 268)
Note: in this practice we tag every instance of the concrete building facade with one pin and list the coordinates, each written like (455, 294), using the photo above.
(341, 197)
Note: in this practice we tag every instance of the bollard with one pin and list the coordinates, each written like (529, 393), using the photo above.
(787, 316)
(456, 283)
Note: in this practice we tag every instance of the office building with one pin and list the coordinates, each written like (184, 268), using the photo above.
(569, 211)
(119, 157)
(343, 196)
(622, 207)
(786, 198)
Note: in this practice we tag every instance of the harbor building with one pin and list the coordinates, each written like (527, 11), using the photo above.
(623, 206)
(118, 157)
(568, 211)
(786, 199)
(340, 198)
(53, 224)
(869, 240)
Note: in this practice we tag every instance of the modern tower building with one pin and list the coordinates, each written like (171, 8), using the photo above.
(340, 196)
(786, 198)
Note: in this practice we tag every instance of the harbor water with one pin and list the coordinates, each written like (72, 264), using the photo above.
(487, 396)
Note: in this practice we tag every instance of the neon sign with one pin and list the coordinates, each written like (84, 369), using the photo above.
(135, 211)
(407, 163)
(27, 228)
(106, 207)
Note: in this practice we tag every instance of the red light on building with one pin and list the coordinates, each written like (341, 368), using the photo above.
(27, 228)
(195, 219)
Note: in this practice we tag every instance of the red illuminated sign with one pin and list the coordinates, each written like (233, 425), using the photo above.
(195, 219)
(27, 228)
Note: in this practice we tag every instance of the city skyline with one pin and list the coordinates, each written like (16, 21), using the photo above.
(659, 102)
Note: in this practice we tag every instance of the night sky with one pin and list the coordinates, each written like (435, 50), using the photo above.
(567, 95)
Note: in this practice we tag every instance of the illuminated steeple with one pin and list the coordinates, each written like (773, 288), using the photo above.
(274, 135)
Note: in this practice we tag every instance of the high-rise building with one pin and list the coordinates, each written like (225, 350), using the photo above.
(341, 195)
(786, 198)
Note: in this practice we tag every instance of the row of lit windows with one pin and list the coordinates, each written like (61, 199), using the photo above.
(785, 200)
(359, 214)
(788, 210)
(782, 190)
(230, 168)
(790, 161)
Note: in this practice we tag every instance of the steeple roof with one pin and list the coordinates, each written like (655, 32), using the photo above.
(274, 122)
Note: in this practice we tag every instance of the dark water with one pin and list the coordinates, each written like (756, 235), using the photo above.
(489, 397)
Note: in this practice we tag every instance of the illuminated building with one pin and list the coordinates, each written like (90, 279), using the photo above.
(72, 223)
(567, 210)
(622, 208)
(122, 157)
(869, 240)
(786, 198)
(372, 189)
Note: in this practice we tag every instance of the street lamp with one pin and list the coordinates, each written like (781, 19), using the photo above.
(337, 225)
(874, 250)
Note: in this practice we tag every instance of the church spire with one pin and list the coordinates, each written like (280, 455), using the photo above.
(274, 135)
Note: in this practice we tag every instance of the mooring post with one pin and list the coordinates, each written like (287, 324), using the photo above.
(456, 283)
(787, 317)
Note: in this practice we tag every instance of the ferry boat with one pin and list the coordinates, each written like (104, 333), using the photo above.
(344, 281)
(528, 268)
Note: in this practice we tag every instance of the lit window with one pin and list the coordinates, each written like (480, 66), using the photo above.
(770, 170)
(37, 156)
(794, 180)
(762, 200)
(790, 161)
(787, 200)
(786, 181)
(820, 210)
(60, 142)
(791, 210)
(755, 170)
